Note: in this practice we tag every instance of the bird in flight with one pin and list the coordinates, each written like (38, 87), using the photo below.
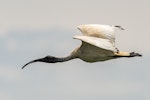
(98, 44)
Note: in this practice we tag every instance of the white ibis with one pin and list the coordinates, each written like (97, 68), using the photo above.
(98, 44)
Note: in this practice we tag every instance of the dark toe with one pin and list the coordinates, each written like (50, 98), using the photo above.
(133, 54)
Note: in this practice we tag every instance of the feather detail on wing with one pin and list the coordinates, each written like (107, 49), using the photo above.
(98, 42)
(99, 31)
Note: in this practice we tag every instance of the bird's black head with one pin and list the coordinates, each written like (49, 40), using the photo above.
(47, 59)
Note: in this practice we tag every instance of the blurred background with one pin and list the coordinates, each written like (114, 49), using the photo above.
(31, 29)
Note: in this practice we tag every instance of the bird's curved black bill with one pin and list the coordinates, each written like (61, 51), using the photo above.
(37, 60)
(47, 59)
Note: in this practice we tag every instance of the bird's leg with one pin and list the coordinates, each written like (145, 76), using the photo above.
(121, 53)
(126, 54)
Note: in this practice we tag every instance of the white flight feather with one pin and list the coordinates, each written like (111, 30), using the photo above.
(99, 31)
(98, 42)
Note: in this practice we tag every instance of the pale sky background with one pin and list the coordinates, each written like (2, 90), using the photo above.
(31, 29)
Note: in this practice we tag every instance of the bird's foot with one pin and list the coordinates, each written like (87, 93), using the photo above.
(133, 54)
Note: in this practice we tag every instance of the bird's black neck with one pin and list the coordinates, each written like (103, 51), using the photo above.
(51, 59)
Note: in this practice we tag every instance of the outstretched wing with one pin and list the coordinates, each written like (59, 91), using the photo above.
(99, 31)
(98, 42)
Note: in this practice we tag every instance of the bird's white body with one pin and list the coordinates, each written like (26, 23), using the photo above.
(98, 44)
(90, 53)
